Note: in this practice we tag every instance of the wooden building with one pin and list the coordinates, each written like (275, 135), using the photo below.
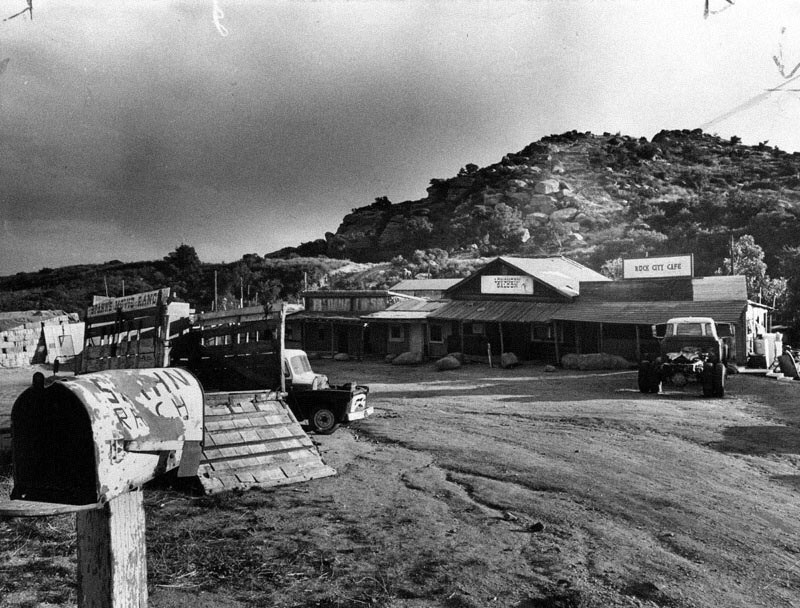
(331, 321)
(508, 306)
(404, 327)
(618, 317)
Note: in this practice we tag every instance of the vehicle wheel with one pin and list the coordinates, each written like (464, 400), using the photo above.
(323, 421)
(708, 380)
(644, 377)
(719, 380)
(654, 377)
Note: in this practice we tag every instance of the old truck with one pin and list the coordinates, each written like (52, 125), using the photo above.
(690, 351)
(312, 398)
(242, 349)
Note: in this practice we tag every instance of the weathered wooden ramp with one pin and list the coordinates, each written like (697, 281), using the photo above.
(253, 439)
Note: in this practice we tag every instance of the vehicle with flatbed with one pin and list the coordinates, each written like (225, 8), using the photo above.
(312, 398)
(690, 351)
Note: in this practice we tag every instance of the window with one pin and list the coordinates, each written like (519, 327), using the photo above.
(396, 333)
(436, 333)
(475, 329)
(541, 331)
(689, 329)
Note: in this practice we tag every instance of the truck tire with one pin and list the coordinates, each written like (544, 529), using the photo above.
(644, 377)
(323, 421)
(708, 379)
(719, 380)
(655, 377)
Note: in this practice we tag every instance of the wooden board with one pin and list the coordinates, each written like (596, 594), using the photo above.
(253, 439)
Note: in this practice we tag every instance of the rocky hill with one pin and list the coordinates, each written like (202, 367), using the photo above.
(593, 198)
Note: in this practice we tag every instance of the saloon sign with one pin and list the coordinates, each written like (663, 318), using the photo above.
(507, 284)
(651, 268)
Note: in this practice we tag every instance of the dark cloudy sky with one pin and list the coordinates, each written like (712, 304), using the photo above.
(129, 127)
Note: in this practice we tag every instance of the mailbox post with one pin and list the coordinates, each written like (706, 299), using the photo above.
(86, 445)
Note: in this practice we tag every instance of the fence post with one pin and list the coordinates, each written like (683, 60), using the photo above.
(112, 563)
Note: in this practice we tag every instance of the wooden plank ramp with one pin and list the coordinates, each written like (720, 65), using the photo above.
(253, 439)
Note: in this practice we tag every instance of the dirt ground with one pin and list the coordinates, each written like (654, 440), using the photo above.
(484, 487)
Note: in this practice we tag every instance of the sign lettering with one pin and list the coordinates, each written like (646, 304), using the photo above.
(507, 284)
(137, 301)
(649, 268)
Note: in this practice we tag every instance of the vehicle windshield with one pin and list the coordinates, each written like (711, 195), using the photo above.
(300, 364)
(689, 329)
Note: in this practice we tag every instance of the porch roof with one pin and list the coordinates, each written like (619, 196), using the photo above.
(650, 313)
(498, 311)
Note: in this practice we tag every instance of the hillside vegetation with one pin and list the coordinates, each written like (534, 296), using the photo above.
(593, 198)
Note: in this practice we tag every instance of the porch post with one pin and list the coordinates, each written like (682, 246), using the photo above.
(502, 346)
(555, 341)
(638, 345)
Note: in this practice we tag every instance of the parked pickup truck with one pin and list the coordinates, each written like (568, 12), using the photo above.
(312, 398)
(690, 351)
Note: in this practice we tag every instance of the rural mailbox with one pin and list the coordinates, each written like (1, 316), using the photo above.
(87, 439)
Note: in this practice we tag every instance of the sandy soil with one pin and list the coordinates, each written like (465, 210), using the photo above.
(487, 487)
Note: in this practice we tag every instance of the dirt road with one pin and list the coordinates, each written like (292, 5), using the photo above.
(481, 487)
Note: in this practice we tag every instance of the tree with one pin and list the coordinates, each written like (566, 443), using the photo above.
(183, 270)
(748, 260)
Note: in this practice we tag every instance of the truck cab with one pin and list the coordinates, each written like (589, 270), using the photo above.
(297, 371)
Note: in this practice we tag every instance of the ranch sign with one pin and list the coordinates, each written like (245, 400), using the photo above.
(659, 267)
(507, 284)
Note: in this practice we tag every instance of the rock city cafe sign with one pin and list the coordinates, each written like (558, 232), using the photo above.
(650, 268)
(507, 284)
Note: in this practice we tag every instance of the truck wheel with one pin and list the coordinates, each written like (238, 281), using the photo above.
(644, 376)
(654, 377)
(323, 421)
(708, 380)
(719, 380)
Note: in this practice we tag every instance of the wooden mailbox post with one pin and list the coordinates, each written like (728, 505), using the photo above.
(85, 445)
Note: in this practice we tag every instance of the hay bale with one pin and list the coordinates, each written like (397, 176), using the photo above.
(407, 358)
(594, 361)
(447, 362)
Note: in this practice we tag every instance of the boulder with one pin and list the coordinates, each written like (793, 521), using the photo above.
(549, 368)
(389, 358)
(543, 203)
(341, 357)
(446, 363)
(546, 186)
(457, 356)
(564, 215)
(508, 360)
(594, 361)
(407, 358)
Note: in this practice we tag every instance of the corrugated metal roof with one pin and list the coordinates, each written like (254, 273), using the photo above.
(410, 310)
(425, 284)
(507, 312)
(560, 272)
(324, 315)
(650, 313)
(344, 293)
(717, 288)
